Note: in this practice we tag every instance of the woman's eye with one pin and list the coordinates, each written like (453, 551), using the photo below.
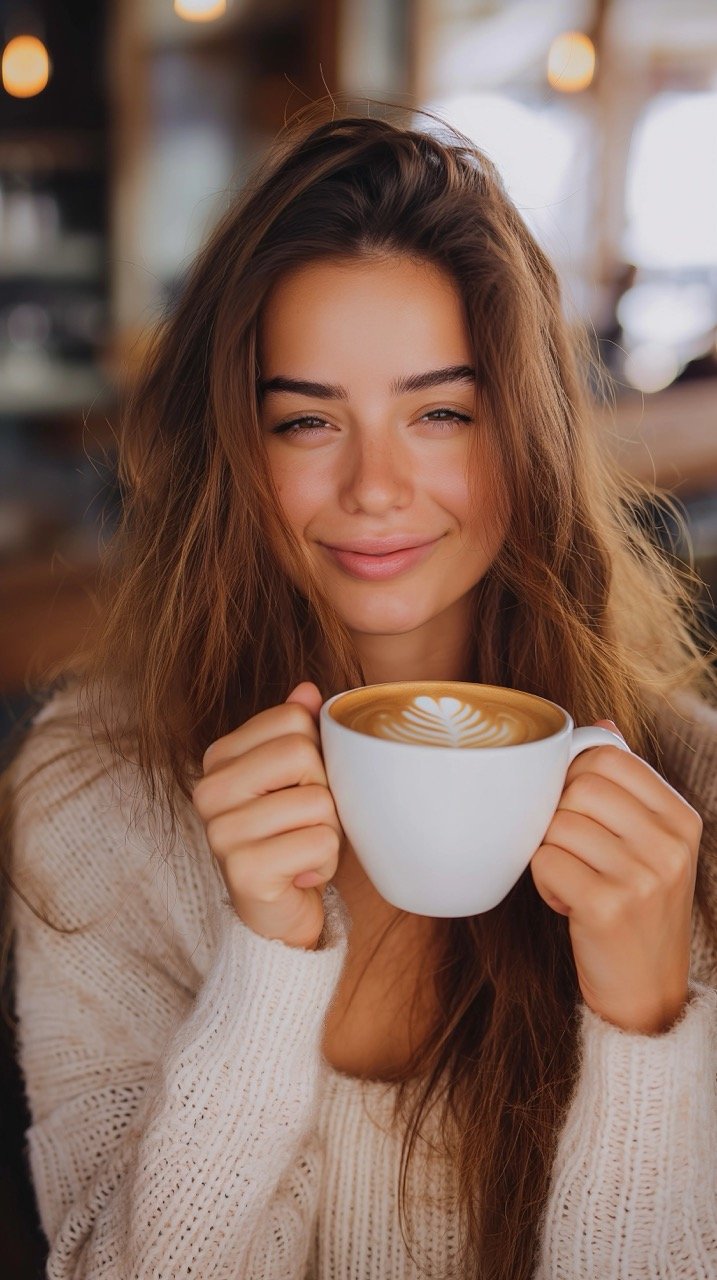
(453, 416)
(297, 425)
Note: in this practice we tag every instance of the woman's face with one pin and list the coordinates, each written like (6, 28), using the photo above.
(372, 461)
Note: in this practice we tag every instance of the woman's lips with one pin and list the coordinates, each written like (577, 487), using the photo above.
(370, 567)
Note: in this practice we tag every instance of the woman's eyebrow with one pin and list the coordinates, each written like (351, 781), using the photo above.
(398, 387)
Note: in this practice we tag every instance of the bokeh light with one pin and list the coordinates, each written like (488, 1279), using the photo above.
(652, 366)
(571, 62)
(25, 66)
(682, 314)
(671, 187)
(541, 151)
(200, 10)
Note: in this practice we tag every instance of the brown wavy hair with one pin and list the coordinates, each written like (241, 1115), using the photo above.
(199, 628)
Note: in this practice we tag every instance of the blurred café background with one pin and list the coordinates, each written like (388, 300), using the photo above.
(127, 125)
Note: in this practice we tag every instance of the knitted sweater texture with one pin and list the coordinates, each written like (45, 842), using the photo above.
(186, 1124)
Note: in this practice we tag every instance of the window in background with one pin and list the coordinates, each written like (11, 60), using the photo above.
(669, 314)
(544, 151)
(500, 73)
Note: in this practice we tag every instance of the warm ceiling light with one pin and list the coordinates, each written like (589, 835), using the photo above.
(571, 62)
(200, 10)
(25, 66)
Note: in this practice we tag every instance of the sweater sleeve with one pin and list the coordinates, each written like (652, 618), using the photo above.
(173, 1129)
(634, 1184)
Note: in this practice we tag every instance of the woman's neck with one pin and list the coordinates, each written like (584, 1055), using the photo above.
(440, 649)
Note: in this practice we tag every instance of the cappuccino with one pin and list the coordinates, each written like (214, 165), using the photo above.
(440, 713)
(447, 833)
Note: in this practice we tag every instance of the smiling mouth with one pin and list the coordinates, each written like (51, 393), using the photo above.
(382, 551)
(372, 567)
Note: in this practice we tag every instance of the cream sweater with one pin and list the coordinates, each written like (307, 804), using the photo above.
(186, 1124)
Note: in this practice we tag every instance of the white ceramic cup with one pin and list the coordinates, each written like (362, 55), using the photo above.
(448, 832)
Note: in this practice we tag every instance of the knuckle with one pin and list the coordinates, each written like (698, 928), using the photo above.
(646, 885)
(200, 796)
(542, 864)
(219, 835)
(600, 757)
(541, 853)
(211, 828)
(327, 838)
(588, 785)
(208, 758)
(678, 864)
(197, 794)
(300, 718)
(321, 802)
(697, 822)
(327, 847)
(607, 913)
(302, 748)
(576, 794)
(561, 823)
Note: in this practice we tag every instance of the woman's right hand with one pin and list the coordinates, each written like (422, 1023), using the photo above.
(270, 818)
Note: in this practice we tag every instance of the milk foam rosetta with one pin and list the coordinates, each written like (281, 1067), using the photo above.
(445, 722)
(443, 719)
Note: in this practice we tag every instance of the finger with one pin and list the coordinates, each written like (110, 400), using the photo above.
(293, 854)
(645, 856)
(590, 842)
(271, 766)
(634, 774)
(606, 802)
(563, 881)
(286, 718)
(280, 811)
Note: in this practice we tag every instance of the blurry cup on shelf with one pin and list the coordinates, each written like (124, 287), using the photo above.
(28, 326)
(30, 223)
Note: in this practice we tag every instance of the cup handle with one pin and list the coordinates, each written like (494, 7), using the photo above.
(594, 736)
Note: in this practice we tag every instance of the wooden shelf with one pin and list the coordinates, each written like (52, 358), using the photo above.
(73, 258)
(52, 386)
(51, 151)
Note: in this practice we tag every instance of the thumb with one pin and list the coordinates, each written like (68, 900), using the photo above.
(309, 695)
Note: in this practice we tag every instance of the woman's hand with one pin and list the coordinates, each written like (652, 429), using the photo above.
(270, 818)
(619, 859)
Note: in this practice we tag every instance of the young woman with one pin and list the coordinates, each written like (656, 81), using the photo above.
(240, 1060)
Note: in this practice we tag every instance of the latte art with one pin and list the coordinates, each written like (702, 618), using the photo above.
(446, 722)
(447, 714)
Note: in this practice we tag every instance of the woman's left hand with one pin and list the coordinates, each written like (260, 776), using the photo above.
(619, 859)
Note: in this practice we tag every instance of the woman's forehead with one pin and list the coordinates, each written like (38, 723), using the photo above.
(397, 318)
